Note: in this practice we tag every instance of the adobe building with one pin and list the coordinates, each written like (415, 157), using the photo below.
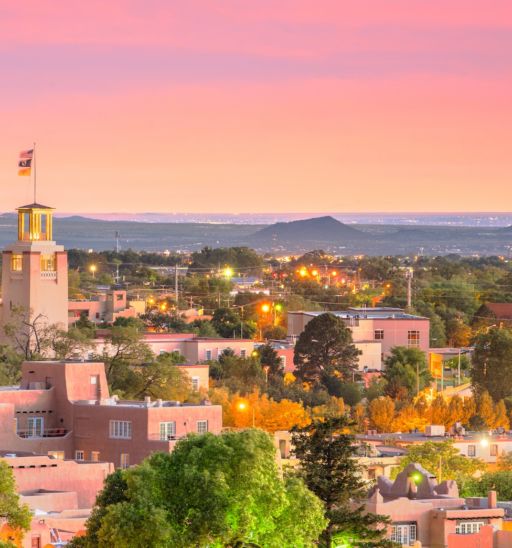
(375, 331)
(59, 493)
(64, 409)
(35, 270)
(431, 515)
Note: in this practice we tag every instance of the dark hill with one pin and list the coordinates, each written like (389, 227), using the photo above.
(316, 230)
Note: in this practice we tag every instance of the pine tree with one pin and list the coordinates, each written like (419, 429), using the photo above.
(326, 451)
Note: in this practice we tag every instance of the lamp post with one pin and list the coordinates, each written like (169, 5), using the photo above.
(92, 270)
(244, 406)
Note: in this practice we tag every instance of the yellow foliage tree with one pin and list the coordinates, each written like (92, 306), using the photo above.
(500, 418)
(485, 408)
(381, 412)
(455, 411)
(359, 416)
(335, 407)
(469, 409)
(408, 419)
(439, 411)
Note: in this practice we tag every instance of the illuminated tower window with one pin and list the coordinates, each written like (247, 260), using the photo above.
(48, 263)
(16, 262)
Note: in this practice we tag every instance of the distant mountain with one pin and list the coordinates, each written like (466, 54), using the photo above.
(308, 232)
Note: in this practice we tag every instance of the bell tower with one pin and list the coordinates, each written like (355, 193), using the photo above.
(35, 270)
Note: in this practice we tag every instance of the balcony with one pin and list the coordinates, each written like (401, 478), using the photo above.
(47, 433)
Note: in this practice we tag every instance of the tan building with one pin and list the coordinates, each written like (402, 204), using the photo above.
(35, 270)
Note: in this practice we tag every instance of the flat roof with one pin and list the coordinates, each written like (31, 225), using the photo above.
(420, 437)
(378, 313)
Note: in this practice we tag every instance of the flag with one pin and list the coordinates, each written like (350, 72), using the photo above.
(25, 163)
(436, 365)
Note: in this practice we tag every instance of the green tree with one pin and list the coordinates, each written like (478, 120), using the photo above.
(326, 452)
(211, 491)
(17, 516)
(228, 324)
(499, 481)
(123, 349)
(406, 372)
(444, 460)
(325, 349)
(492, 363)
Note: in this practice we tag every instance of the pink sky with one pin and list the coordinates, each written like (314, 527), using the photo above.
(272, 105)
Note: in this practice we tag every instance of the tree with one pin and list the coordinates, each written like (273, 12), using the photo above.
(16, 515)
(211, 491)
(326, 452)
(325, 349)
(381, 413)
(160, 379)
(269, 358)
(123, 349)
(499, 481)
(439, 411)
(228, 324)
(500, 418)
(406, 372)
(485, 408)
(239, 374)
(444, 460)
(492, 363)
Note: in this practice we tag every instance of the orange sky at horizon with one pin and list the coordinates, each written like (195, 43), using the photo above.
(321, 124)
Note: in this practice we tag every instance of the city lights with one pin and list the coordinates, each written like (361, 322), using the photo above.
(265, 308)
(228, 272)
(92, 269)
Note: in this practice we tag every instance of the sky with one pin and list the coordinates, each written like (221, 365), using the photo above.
(257, 106)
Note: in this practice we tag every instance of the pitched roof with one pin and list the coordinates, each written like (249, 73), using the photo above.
(502, 311)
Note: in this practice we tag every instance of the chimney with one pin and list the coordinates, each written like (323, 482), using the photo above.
(492, 499)
(147, 401)
(159, 402)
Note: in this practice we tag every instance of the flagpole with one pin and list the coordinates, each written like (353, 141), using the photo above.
(34, 156)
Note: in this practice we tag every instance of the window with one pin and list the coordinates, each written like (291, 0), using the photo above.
(208, 355)
(121, 429)
(35, 427)
(468, 527)
(404, 533)
(243, 353)
(79, 455)
(119, 297)
(195, 383)
(167, 430)
(471, 450)
(413, 339)
(379, 335)
(124, 460)
(48, 263)
(202, 427)
(16, 262)
(494, 450)
(56, 455)
(283, 362)
(95, 456)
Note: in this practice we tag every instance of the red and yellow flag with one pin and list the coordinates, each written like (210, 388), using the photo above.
(25, 162)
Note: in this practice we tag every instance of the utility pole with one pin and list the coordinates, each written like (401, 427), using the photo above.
(176, 285)
(409, 273)
(118, 248)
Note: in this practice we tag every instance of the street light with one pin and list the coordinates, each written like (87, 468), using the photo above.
(92, 269)
(228, 272)
(244, 406)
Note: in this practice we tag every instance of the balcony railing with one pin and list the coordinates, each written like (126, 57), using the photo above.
(158, 437)
(47, 433)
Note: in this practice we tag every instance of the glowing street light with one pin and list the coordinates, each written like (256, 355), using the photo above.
(303, 272)
(243, 406)
(92, 269)
(265, 308)
(228, 272)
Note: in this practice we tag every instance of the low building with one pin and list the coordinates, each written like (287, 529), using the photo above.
(106, 307)
(431, 515)
(59, 493)
(64, 409)
(387, 326)
(482, 445)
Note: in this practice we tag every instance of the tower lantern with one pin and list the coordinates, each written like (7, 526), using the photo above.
(35, 223)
